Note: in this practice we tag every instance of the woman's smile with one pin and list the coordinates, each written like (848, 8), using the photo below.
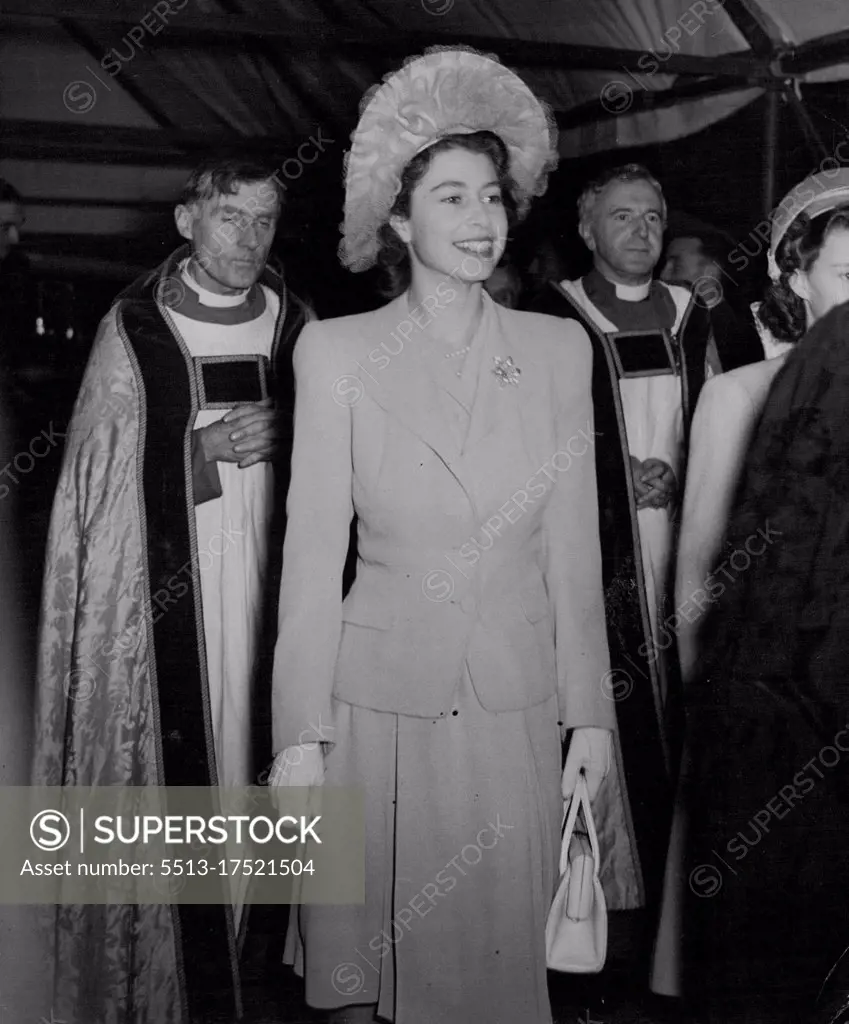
(483, 247)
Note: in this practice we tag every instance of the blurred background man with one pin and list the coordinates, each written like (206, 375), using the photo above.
(699, 261)
(14, 274)
(505, 285)
(12, 218)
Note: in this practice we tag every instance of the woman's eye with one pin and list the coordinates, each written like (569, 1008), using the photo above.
(451, 199)
(496, 199)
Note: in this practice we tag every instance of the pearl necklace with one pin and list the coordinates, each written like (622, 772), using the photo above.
(458, 352)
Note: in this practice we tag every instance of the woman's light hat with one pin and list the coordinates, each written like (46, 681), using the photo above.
(447, 91)
(825, 190)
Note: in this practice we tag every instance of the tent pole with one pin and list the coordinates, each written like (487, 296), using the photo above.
(812, 135)
(770, 150)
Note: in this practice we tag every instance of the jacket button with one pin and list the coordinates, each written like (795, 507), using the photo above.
(468, 604)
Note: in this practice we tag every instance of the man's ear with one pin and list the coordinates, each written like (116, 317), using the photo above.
(585, 231)
(799, 284)
(184, 218)
(401, 228)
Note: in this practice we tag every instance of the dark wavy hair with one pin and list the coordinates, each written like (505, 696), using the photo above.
(393, 258)
(782, 312)
(221, 173)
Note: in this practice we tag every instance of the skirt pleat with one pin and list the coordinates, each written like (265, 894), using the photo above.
(462, 840)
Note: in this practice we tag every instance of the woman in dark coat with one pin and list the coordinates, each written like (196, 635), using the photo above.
(769, 799)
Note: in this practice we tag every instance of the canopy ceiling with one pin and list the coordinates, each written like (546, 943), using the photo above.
(107, 103)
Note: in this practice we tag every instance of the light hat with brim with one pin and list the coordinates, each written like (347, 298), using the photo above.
(447, 91)
(825, 190)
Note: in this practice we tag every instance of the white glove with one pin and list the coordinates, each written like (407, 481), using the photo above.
(589, 751)
(302, 765)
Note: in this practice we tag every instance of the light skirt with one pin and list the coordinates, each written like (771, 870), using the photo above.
(462, 839)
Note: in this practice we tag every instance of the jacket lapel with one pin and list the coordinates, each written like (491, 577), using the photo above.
(497, 405)
(396, 379)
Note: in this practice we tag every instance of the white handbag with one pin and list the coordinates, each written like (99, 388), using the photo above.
(576, 930)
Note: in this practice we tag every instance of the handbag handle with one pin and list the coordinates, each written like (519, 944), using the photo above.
(580, 798)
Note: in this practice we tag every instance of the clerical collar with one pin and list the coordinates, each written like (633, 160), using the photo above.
(188, 298)
(632, 292)
(207, 297)
(631, 307)
(625, 292)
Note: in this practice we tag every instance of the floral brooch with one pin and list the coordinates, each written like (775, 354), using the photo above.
(506, 371)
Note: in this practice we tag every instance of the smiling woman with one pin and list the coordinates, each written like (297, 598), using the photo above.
(450, 178)
(450, 694)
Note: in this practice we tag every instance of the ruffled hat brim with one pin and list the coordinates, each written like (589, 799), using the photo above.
(446, 91)
(825, 190)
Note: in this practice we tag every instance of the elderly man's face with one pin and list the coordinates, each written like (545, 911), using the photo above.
(625, 232)
(231, 235)
(11, 221)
